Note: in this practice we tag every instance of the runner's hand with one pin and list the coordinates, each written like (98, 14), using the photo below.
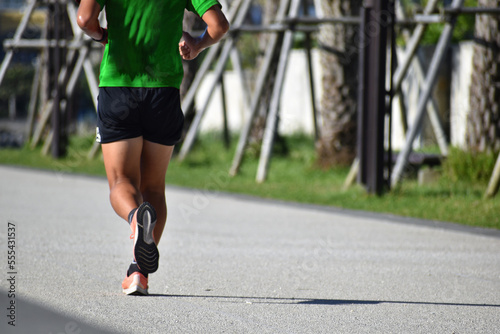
(188, 48)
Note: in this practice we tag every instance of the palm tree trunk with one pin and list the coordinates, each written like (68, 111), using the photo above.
(483, 126)
(270, 9)
(339, 61)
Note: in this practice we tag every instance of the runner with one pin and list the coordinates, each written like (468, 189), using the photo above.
(139, 119)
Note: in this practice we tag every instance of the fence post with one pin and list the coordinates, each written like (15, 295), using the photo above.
(372, 93)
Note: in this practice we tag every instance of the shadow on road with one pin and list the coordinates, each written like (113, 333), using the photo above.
(314, 301)
(31, 317)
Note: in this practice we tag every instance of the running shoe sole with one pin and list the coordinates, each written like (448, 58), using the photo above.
(145, 251)
(135, 291)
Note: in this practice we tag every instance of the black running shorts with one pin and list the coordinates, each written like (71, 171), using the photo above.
(130, 112)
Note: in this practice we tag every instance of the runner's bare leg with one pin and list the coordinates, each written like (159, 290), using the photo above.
(154, 164)
(136, 171)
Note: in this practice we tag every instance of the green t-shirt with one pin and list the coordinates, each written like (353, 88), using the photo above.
(143, 41)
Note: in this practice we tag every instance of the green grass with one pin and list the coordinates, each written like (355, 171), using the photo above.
(292, 177)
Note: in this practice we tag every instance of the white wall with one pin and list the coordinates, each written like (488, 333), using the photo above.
(295, 112)
(458, 83)
(460, 91)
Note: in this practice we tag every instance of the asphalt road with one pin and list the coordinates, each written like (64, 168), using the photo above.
(234, 264)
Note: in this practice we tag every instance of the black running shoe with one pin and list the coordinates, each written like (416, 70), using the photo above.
(145, 251)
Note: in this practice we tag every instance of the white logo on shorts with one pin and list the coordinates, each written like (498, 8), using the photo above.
(97, 135)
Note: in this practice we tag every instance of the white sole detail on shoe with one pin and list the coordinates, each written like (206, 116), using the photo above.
(135, 290)
(148, 227)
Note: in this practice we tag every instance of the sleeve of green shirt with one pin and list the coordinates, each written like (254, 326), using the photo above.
(199, 6)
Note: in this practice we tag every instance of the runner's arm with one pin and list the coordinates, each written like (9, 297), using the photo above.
(217, 26)
(88, 20)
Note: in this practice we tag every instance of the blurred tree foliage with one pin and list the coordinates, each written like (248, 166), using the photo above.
(464, 28)
(18, 80)
(248, 46)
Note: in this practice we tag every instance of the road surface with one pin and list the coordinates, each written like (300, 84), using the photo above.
(236, 264)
